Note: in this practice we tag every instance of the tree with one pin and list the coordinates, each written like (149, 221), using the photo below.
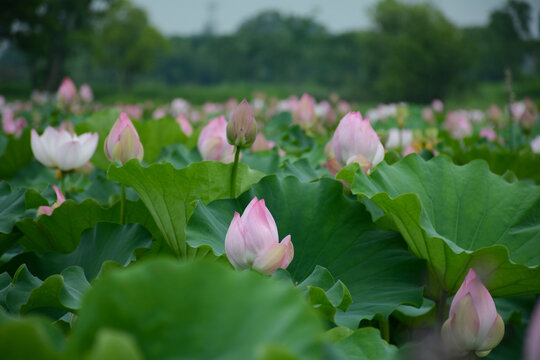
(420, 52)
(47, 32)
(126, 41)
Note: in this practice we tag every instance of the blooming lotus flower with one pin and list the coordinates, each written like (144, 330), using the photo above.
(212, 142)
(252, 241)
(399, 138)
(48, 210)
(184, 124)
(86, 93)
(123, 143)
(63, 150)
(532, 339)
(242, 128)
(535, 145)
(473, 323)
(304, 113)
(67, 92)
(355, 141)
(179, 106)
(458, 124)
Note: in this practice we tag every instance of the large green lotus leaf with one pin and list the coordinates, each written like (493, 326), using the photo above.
(327, 229)
(15, 155)
(171, 194)
(524, 163)
(106, 241)
(115, 345)
(197, 310)
(324, 293)
(61, 231)
(364, 344)
(266, 161)
(154, 135)
(303, 170)
(461, 217)
(179, 155)
(55, 295)
(34, 175)
(30, 338)
(12, 206)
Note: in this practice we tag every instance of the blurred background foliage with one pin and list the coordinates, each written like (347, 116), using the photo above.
(413, 53)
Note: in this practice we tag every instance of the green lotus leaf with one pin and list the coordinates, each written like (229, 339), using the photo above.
(327, 229)
(461, 217)
(54, 296)
(30, 338)
(171, 194)
(197, 310)
(16, 154)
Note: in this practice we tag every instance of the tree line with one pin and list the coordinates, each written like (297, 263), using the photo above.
(413, 53)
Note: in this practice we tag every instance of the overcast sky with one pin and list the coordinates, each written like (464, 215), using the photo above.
(186, 17)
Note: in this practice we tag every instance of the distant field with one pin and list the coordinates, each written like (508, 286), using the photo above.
(480, 96)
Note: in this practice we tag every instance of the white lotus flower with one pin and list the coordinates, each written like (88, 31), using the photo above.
(63, 150)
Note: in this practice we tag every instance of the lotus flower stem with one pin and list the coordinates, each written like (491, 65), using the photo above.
(234, 171)
(440, 311)
(63, 182)
(123, 206)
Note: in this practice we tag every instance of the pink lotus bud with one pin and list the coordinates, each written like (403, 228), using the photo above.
(517, 109)
(532, 339)
(212, 142)
(409, 150)
(133, 111)
(261, 143)
(473, 323)
(122, 143)
(184, 124)
(86, 93)
(11, 126)
(252, 241)
(67, 92)
(535, 145)
(355, 141)
(48, 210)
(63, 150)
(488, 134)
(427, 114)
(159, 113)
(304, 114)
(242, 128)
(437, 105)
(326, 112)
(494, 112)
(343, 107)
